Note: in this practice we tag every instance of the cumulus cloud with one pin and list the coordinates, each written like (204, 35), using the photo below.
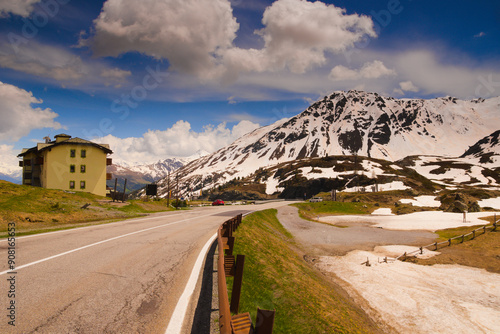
(297, 36)
(9, 163)
(370, 70)
(408, 86)
(17, 7)
(432, 75)
(178, 141)
(196, 36)
(186, 32)
(19, 117)
(57, 63)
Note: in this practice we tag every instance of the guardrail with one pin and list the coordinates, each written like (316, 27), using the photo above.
(229, 266)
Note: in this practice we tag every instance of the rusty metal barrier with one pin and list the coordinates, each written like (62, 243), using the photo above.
(227, 265)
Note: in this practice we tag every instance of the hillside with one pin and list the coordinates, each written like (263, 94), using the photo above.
(35, 209)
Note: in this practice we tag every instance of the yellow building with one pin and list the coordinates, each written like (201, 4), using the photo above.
(67, 163)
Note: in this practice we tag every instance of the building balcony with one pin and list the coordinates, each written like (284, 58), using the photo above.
(109, 176)
(109, 161)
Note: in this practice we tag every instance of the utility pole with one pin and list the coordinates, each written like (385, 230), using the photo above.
(177, 190)
(168, 189)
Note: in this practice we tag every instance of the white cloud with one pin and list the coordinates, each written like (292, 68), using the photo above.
(9, 163)
(370, 70)
(19, 117)
(481, 34)
(429, 72)
(17, 7)
(340, 72)
(297, 36)
(196, 36)
(178, 141)
(188, 33)
(57, 63)
(408, 86)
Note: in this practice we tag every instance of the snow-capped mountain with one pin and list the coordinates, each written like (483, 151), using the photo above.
(486, 150)
(141, 174)
(353, 122)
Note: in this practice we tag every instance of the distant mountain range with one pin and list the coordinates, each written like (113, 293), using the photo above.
(356, 123)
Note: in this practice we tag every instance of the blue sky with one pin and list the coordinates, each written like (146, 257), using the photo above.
(163, 78)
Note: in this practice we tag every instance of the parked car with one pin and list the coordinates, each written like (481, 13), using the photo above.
(218, 202)
(316, 199)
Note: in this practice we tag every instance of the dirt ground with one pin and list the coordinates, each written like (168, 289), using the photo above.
(324, 239)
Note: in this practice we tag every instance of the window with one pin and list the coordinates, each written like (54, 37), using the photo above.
(71, 184)
(83, 168)
(71, 168)
(72, 153)
(82, 184)
(84, 154)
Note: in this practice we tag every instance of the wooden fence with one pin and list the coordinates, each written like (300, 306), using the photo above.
(229, 266)
(448, 242)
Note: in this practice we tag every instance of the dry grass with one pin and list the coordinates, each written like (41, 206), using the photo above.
(482, 252)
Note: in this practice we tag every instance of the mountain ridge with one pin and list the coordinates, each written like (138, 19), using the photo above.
(352, 123)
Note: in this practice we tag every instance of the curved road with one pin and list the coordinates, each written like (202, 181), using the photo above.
(123, 277)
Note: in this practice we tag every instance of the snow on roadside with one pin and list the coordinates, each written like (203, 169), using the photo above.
(427, 201)
(426, 220)
(422, 299)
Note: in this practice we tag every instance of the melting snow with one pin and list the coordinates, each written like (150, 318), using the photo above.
(428, 201)
(427, 220)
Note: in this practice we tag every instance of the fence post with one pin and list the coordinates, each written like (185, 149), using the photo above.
(265, 321)
(484, 229)
(230, 243)
(463, 236)
(494, 226)
(473, 234)
(436, 245)
(238, 280)
(421, 250)
(449, 242)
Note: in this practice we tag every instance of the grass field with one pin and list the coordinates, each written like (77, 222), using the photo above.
(277, 277)
(35, 209)
(311, 211)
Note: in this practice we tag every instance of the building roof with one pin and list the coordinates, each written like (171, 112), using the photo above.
(70, 141)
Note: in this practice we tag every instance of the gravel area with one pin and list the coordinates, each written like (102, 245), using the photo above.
(324, 239)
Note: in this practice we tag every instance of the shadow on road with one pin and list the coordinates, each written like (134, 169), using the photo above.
(201, 321)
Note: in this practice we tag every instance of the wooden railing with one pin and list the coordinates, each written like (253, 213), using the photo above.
(448, 242)
(229, 266)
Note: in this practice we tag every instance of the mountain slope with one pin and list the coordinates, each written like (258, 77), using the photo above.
(487, 150)
(354, 122)
(139, 175)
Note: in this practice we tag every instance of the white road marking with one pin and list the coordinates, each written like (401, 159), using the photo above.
(98, 243)
(85, 227)
(177, 318)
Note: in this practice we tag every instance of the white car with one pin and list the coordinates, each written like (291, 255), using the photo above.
(316, 199)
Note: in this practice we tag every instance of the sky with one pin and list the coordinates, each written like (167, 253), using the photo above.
(170, 78)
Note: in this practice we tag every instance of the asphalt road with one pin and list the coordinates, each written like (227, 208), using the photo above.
(123, 277)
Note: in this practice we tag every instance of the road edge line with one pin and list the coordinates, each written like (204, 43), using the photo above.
(177, 318)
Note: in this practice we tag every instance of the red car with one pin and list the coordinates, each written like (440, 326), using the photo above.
(218, 202)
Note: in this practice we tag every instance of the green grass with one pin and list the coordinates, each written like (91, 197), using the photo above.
(311, 210)
(37, 210)
(277, 277)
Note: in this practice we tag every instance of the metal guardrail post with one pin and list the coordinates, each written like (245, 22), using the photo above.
(265, 321)
(230, 243)
(237, 283)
